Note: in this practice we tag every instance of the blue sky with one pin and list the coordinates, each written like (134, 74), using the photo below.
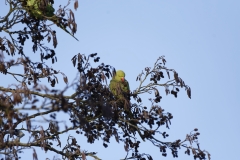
(200, 39)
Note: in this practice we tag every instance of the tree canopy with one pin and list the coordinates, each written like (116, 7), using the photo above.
(93, 111)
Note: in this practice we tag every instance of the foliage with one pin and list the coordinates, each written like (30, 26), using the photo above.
(92, 108)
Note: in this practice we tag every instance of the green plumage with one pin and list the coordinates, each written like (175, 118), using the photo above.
(47, 13)
(119, 85)
(33, 7)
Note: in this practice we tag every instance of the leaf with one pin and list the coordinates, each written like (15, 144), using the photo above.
(76, 4)
(72, 18)
(167, 91)
(49, 39)
(65, 79)
(147, 69)
(56, 79)
(116, 136)
(54, 39)
(59, 142)
(42, 56)
(150, 157)
(126, 147)
(137, 78)
(29, 125)
(31, 72)
(93, 54)
(193, 151)
(35, 155)
(114, 72)
(164, 61)
(2, 67)
(103, 77)
(145, 114)
(107, 74)
(74, 59)
(17, 98)
(156, 92)
(161, 74)
(209, 156)
(34, 101)
(174, 93)
(53, 82)
(39, 66)
(79, 57)
(74, 141)
(83, 156)
(74, 29)
(10, 45)
(189, 92)
(181, 82)
(52, 53)
(168, 75)
(176, 77)
(160, 111)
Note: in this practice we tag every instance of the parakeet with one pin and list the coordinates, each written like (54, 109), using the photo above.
(33, 8)
(46, 13)
(119, 85)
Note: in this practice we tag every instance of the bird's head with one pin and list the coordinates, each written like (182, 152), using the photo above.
(120, 76)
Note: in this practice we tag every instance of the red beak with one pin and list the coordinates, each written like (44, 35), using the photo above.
(122, 79)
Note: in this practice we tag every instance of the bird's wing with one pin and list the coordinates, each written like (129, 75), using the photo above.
(125, 86)
(112, 86)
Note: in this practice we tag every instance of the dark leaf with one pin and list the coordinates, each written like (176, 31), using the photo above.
(79, 58)
(156, 92)
(83, 156)
(56, 79)
(168, 75)
(39, 66)
(174, 93)
(176, 77)
(164, 61)
(65, 79)
(49, 39)
(76, 4)
(189, 92)
(53, 82)
(209, 156)
(74, 59)
(167, 91)
(137, 78)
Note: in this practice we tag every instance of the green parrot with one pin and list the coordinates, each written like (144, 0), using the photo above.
(119, 86)
(33, 8)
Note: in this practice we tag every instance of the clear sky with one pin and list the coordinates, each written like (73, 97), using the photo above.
(200, 39)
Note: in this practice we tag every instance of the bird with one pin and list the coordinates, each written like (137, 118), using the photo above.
(119, 87)
(34, 8)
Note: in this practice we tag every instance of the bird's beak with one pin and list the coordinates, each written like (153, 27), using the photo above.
(122, 79)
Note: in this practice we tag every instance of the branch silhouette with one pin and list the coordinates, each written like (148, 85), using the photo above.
(92, 111)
